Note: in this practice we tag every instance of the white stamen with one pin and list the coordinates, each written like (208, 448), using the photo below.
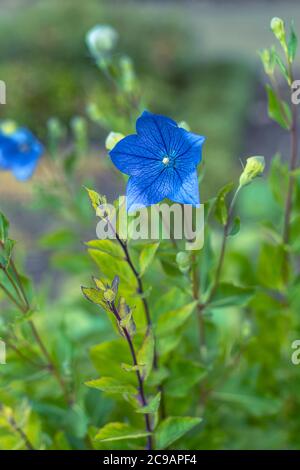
(165, 160)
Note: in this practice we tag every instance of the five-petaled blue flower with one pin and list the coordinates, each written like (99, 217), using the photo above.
(161, 161)
(19, 150)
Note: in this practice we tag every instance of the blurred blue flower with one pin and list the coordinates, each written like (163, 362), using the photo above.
(161, 160)
(19, 150)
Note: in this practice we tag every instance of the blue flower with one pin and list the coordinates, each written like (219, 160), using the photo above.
(20, 151)
(161, 161)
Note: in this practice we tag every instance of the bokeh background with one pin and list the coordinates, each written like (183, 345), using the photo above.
(197, 61)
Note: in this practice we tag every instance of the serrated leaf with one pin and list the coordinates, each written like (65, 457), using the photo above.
(110, 265)
(117, 432)
(93, 295)
(111, 385)
(278, 110)
(146, 256)
(170, 321)
(110, 247)
(152, 407)
(172, 429)
(95, 198)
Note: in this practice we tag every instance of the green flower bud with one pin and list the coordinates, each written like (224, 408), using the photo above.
(8, 127)
(56, 133)
(112, 139)
(254, 167)
(268, 60)
(184, 125)
(127, 74)
(278, 28)
(183, 259)
(109, 295)
(100, 40)
(79, 128)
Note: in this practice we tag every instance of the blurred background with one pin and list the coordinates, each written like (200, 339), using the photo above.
(197, 61)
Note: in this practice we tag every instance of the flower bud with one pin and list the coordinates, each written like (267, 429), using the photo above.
(8, 127)
(112, 139)
(254, 167)
(100, 40)
(127, 74)
(277, 26)
(184, 125)
(267, 58)
(109, 295)
(183, 260)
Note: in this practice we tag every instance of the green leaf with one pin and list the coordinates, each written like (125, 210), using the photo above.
(107, 358)
(145, 355)
(110, 265)
(95, 198)
(282, 67)
(230, 294)
(4, 226)
(292, 44)
(278, 110)
(235, 228)
(278, 179)
(147, 256)
(109, 247)
(184, 375)
(170, 321)
(117, 432)
(58, 239)
(172, 428)
(221, 211)
(93, 295)
(152, 406)
(256, 406)
(6, 253)
(111, 385)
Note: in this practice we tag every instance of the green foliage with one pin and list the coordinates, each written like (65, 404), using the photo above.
(169, 339)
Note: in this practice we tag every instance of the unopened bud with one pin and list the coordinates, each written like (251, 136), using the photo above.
(100, 40)
(277, 26)
(254, 167)
(112, 139)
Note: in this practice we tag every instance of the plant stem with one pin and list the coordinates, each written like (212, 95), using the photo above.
(11, 420)
(26, 308)
(140, 290)
(223, 247)
(291, 182)
(196, 296)
(138, 374)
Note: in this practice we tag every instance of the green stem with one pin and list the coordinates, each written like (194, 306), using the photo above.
(223, 247)
(138, 374)
(25, 308)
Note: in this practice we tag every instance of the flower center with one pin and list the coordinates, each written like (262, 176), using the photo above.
(165, 160)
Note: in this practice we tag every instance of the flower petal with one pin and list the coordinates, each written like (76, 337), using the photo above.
(154, 129)
(25, 171)
(185, 188)
(143, 192)
(132, 156)
(187, 147)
